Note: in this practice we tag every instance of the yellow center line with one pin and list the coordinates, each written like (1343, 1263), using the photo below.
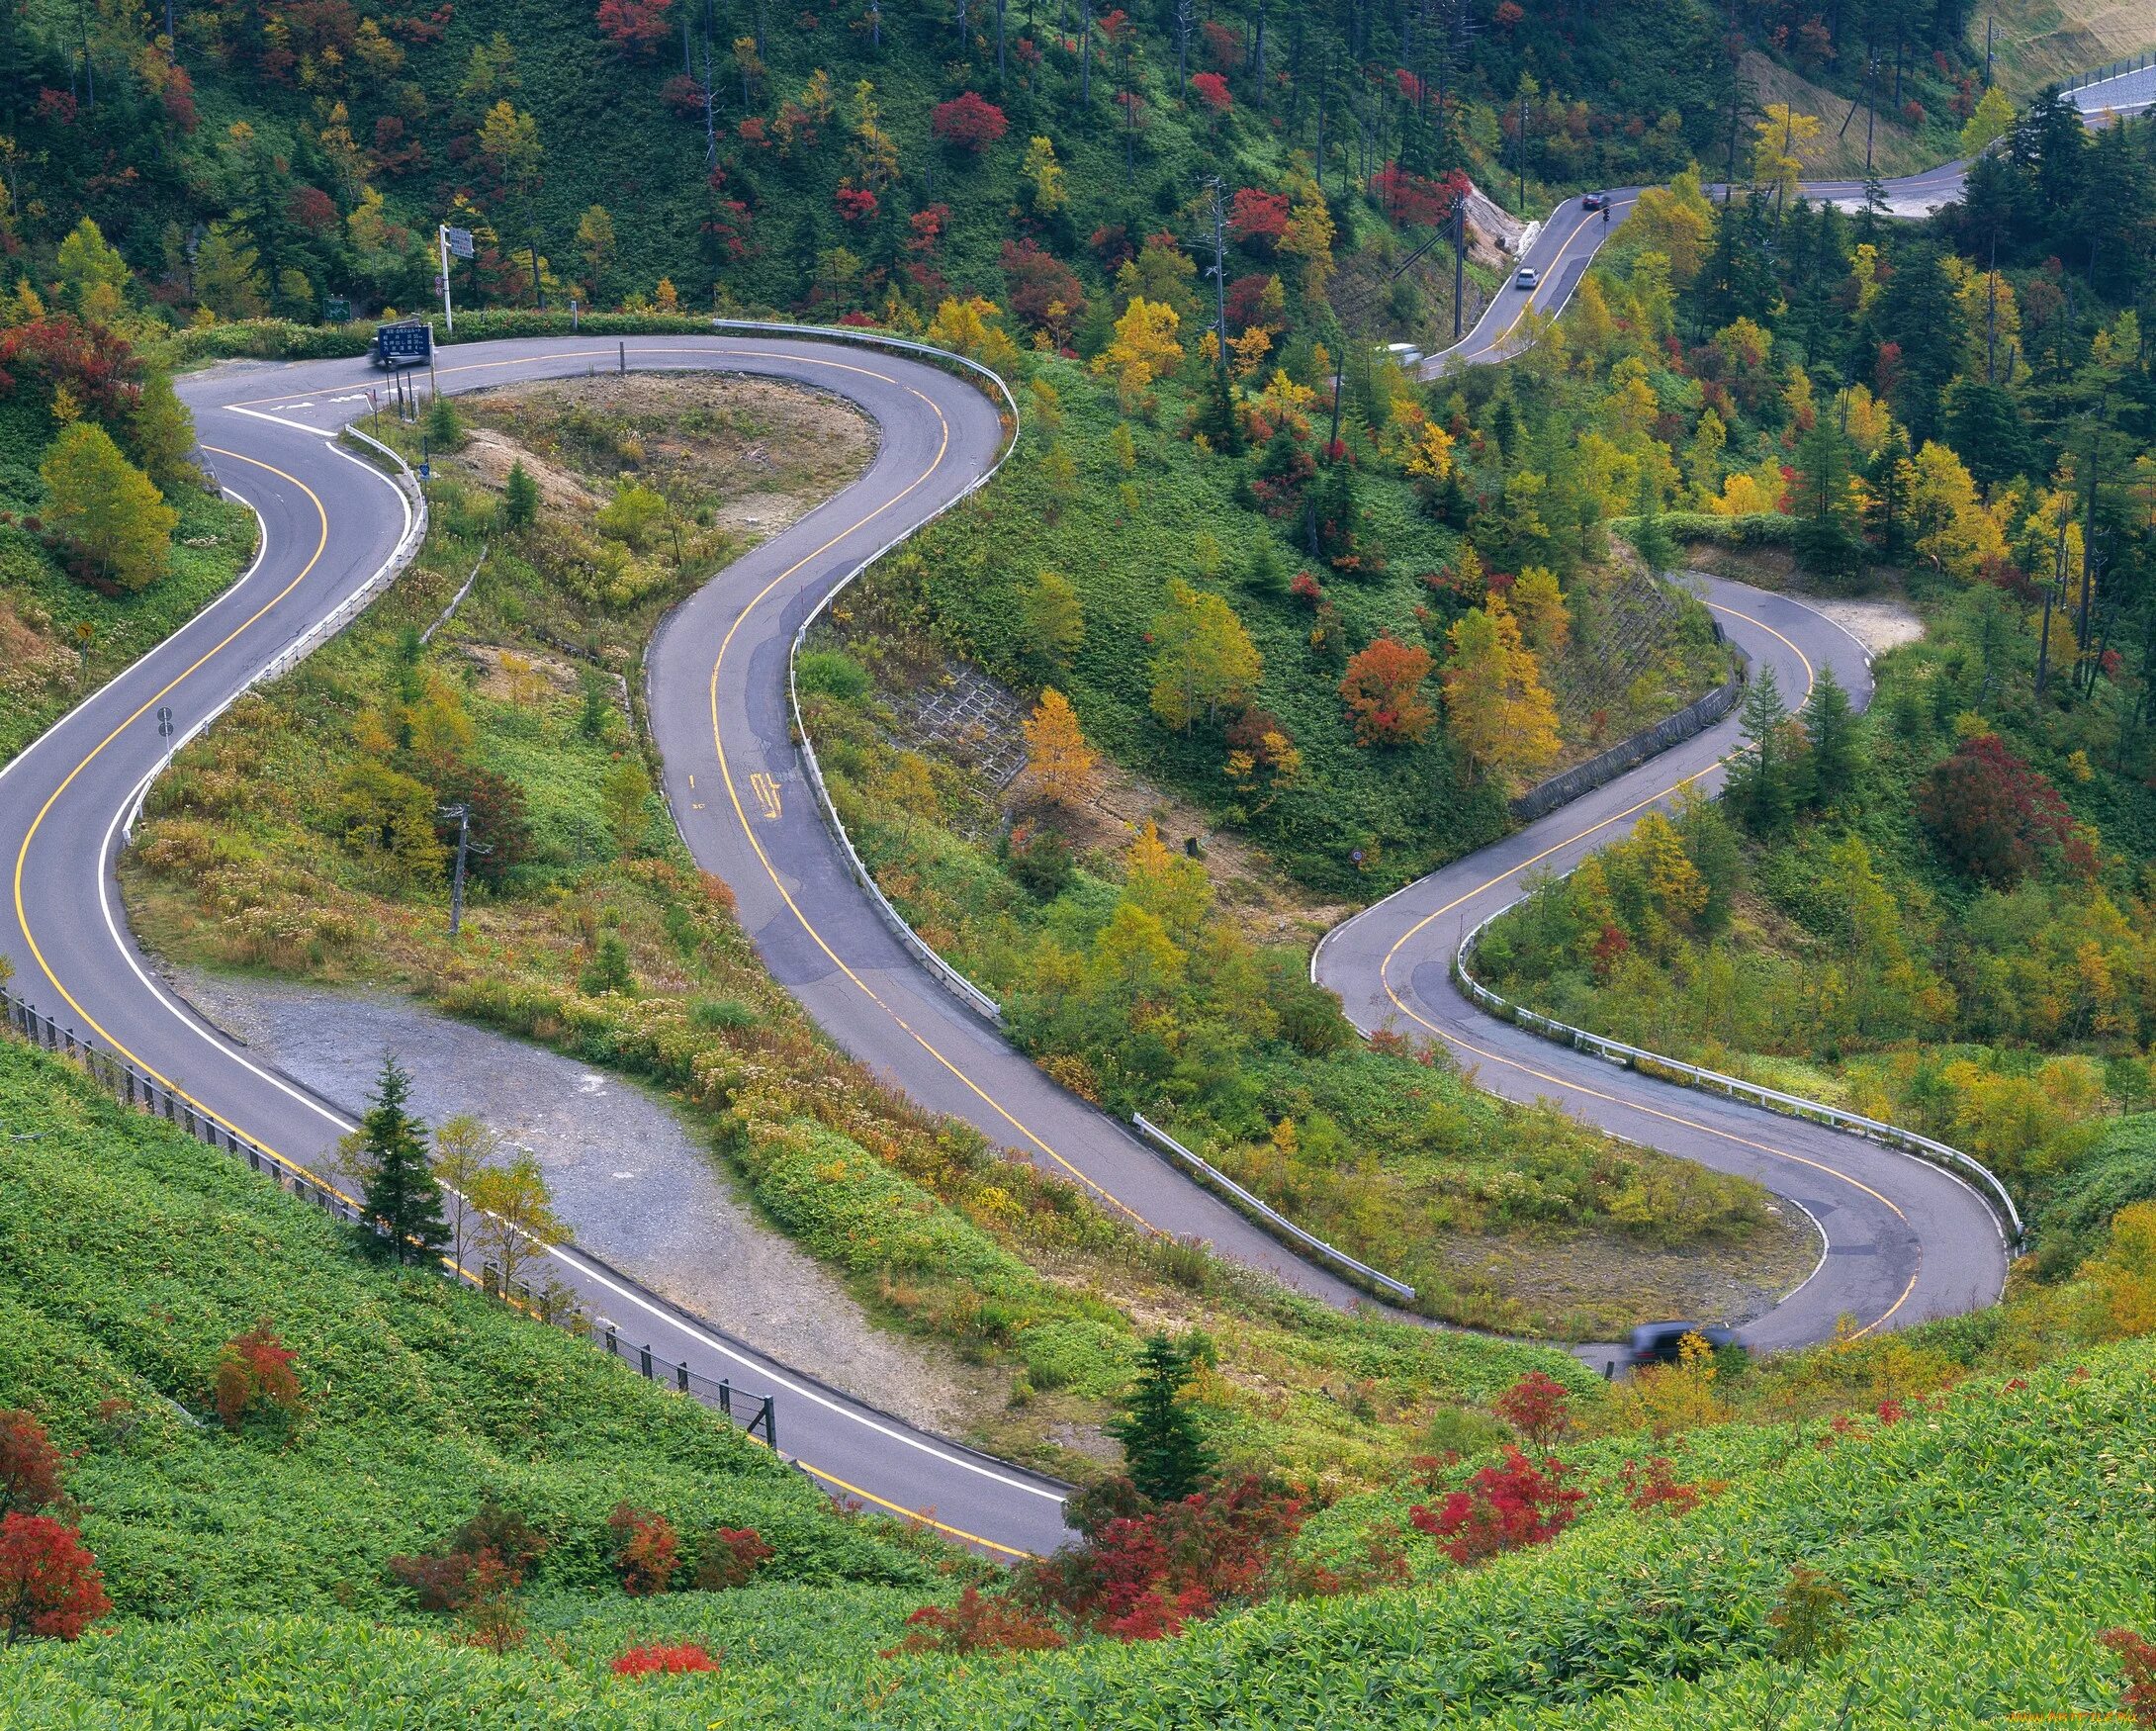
(726, 773)
(956, 1532)
(1384, 976)
(23, 919)
(22, 914)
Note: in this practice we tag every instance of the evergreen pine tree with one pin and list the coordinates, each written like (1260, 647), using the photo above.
(1761, 787)
(520, 499)
(1836, 757)
(401, 1195)
(1166, 1458)
(1651, 537)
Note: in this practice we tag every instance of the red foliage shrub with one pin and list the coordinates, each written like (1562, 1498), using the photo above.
(684, 96)
(1991, 815)
(969, 121)
(1381, 689)
(253, 1373)
(1416, 201)
(96, 365)
(1258, 218)
(1504, 1509)
(669, 1660)
(1609, 949)
(928, 224)
(30, 1466)
(729, 1557)
(178, 96)
(1307, 588)
(635, 27)
(49, 1584)
(1655, 1485)
(2136, 1656)
(1223, 46)
(647, 1553)
(1142, 1576)
(856, 204)
(1037, 281)
(313, 210)
(1246, 302)
(439, 1583)
(1538, 1407)
(1212, 90)
(976, 1626)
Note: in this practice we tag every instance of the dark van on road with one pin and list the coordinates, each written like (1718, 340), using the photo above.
(1658, 1342)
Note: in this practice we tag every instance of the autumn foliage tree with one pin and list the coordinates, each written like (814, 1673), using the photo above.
(254, 1375)
(662, 1659)
(49, 1585)
(635, 27)
(1505, 1507)
(30, 1466)
(1503, 717)
(1383, 693)
(1058, 760)
(647, 1551)
(969, 122)
(1990, 814)
(1203, 657)
(105, 512)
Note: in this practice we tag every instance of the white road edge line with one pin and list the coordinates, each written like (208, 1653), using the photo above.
(567, 1257)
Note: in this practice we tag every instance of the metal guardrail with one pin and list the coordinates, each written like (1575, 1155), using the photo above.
(313, 636)
(143, 1092)
(1661, 1067)
(721, 1395)
(1271, 1217)
(2114, 69)
(951, 980)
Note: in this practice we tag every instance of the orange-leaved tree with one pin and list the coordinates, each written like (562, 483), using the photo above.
(1058, 760)
(1504, 718)
(1382, 691)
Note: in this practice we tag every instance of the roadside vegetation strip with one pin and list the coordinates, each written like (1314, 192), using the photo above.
(1661, 1067)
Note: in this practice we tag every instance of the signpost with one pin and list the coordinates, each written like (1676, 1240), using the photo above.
(451, 240)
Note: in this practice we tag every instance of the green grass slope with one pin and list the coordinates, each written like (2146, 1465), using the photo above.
(129, 1256)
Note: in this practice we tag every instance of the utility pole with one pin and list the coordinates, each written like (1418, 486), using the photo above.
(462, 812)
(449, 314)
(1523, 151)
(1459, 263)
(1218, 273)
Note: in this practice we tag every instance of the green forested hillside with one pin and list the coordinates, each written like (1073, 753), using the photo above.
(360, 125)
(1969, 1502)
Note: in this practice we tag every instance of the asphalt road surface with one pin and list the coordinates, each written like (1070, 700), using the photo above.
(1904, 1241)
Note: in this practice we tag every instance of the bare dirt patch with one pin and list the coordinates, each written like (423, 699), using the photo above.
(628, 1174)
(519, 676)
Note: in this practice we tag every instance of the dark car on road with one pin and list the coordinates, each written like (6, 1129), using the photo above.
(1660, 1342)
(1595, 201)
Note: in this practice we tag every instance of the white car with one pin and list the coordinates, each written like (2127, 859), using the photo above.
(1529, 277)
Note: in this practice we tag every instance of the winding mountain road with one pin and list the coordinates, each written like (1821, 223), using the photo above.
(1904, 1241)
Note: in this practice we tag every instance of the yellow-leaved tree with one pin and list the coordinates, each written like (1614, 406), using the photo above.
(1057, 758)
(1954, 530)
(1203, 657)
(973, 328)
(106, 511)
(1501, 715)
(1540, 604)
(1779, 137)
(1144, 348)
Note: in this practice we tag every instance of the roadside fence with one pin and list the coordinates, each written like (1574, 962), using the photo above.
(1267, 1215)
(1628, 754)
(1974, 1172)
(133, 1087)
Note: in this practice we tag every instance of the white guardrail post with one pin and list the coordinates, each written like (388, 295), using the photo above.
(316, 635)
(1212, 1176)
(951, 980)
(1669, 1069)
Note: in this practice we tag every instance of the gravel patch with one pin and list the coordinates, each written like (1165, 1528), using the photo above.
(627, 1172)
(1879, 625)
